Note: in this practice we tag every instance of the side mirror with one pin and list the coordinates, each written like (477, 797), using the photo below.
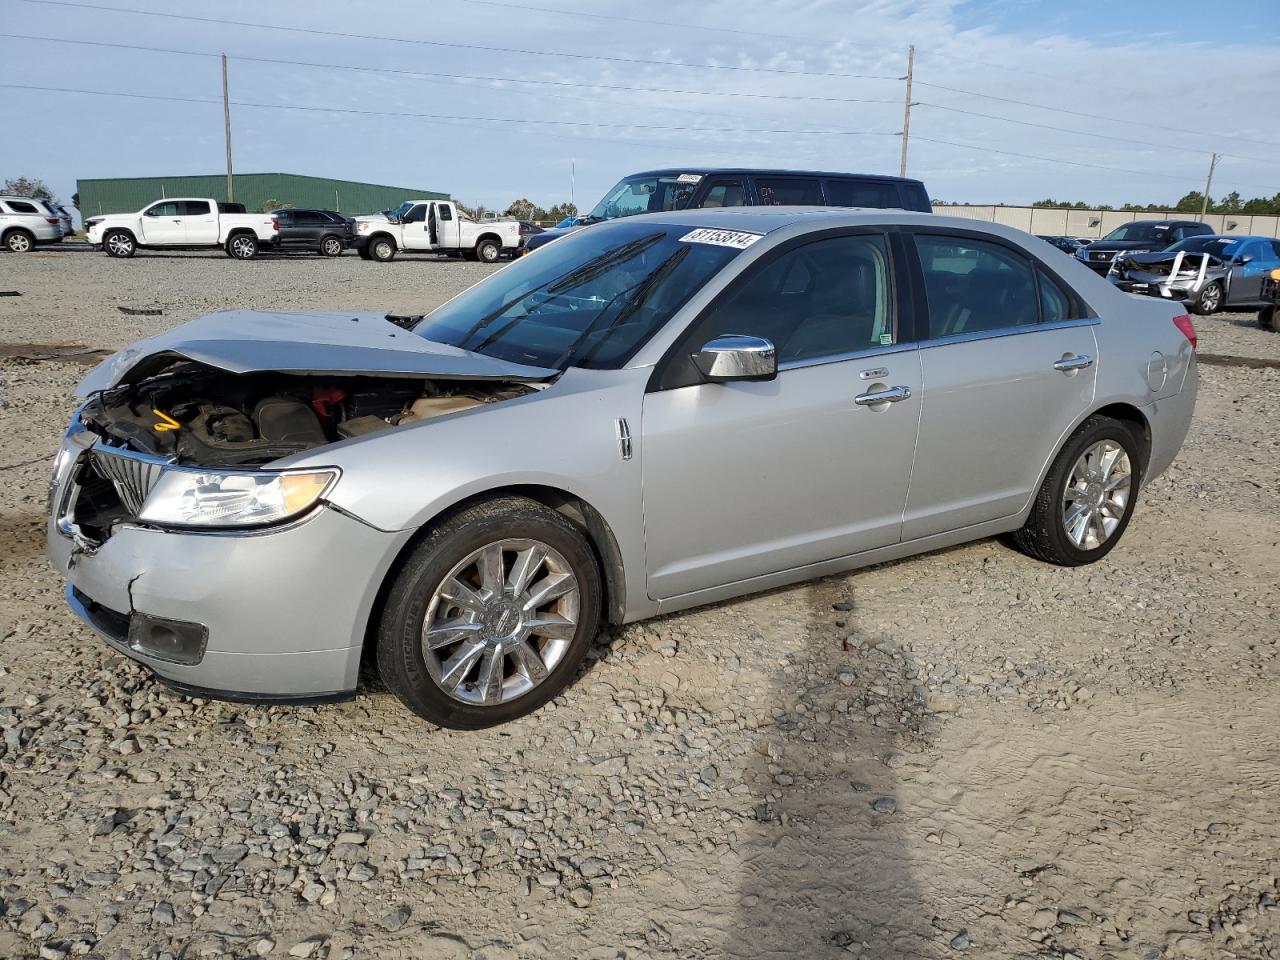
(1247, 258)
(732, 357)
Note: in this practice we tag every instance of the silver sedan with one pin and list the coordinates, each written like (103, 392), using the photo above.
(647, 415)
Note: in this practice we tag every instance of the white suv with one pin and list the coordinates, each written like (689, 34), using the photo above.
(24, 223)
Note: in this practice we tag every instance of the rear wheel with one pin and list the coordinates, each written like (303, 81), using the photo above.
(19, 241)
(119, 243)
(331, 247)
(1210, 299)
(491, 615)
(488, 250)
(243, 246)
(1085, 502)
(382, 249)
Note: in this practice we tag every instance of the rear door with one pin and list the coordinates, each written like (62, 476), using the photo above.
(200, 221)
(447, 228)
(857, 192)
(1008, 357)
(772, 191)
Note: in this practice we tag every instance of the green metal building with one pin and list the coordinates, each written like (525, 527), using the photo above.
(124, 195)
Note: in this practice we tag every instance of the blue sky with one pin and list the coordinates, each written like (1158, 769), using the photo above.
(812, 83)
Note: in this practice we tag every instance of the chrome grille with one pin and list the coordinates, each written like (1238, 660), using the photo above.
(133, 478)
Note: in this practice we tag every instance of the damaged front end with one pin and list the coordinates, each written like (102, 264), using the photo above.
(1172, 276)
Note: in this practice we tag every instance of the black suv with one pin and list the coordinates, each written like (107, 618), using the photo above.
(1140, 236)
(657, 191)
(324, 231)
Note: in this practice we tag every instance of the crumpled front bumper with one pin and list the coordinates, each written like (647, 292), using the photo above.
(284, 609)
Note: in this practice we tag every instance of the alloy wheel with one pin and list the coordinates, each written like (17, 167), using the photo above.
(243, 248)
(19, 243)
(1211, 298)
(332, 247)
(382, 250)
(1097, 495)
(500, 621)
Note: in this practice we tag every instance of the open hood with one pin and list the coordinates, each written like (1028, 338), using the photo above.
(315, 342)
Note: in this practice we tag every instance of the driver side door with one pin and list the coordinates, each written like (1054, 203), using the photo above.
(746, 479)
(415, 229)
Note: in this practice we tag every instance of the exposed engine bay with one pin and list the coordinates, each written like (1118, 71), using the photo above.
(198, 415)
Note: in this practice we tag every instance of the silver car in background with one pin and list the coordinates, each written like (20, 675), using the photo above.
(655, 413)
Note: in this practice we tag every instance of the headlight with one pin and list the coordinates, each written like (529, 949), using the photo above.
(363, 227)
(196, 498)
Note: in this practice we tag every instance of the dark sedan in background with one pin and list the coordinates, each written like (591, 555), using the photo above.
(324, 231)
(1065, 244)
(1140, 236)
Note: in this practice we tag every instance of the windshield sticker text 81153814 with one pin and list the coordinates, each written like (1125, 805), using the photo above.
(738, 239)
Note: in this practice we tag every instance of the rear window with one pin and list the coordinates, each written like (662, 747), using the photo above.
(788, 191)
(862, 193)
(196, 208)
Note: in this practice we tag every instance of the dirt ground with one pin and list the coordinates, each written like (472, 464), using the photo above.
(966, 751)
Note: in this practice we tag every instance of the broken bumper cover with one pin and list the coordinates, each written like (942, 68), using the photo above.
(1183, 291)
(273, 614)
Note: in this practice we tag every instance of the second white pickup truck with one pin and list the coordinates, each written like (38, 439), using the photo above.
(181, 222)
(435, 226)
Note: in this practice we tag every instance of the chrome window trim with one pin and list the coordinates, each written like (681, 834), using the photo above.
(1009, 331)
(877, 351)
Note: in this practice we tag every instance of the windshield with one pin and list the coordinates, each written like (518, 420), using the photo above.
(1160, 233)
(399, 212)
(1222, 247)
(590, 299)
(646, 194)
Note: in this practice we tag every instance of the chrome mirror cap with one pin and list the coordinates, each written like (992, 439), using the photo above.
(734, 357)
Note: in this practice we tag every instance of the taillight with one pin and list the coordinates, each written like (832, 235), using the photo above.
(275, 222)
(1183, 323)
(52, 220)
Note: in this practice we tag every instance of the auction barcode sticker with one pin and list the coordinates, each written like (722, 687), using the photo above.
(738, 239)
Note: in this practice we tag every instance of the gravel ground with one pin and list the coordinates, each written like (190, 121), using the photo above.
(963, 751)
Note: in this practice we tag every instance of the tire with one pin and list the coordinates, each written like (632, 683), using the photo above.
(363, 251)
(1045, 535)
(533, 668)
(242, 246)
(330, 246)
(469, 255)
(382, 249)
(19, 241)
(119, 243)
(1268, 320)
(1210, 300)
(488, 250)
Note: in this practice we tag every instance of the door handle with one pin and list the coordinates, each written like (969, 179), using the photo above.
(1078, 362)
(888, 395)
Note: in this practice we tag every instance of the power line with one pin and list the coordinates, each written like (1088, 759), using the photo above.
(1073, 163)
(1078, 133)
(560, 55)
(429, 74)
(454, 117)
(1076, 113)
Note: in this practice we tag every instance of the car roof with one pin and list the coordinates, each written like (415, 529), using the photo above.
(708, 171)
(1229, 236)
(771, 219)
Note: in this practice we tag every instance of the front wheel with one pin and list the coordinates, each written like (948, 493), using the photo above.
(331, 247)
(1085, 502)
(118, 243)
(243, 246)
(1268, 320)
(1210, 300)
(382, 249)
(488, 251)
(491, 615)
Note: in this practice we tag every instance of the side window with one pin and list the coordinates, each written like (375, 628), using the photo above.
(417, 215)
(1055, 305)
(19, 206)
(169, 209)
(862, 193)
(973, 285)
(822, 299)
(446, 212)
(307, 218)
(1275, 249)
(725, 193)
(778, 191)
(195, 208)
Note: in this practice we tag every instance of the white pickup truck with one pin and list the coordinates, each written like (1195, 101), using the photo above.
(181, 222)
(435, 226)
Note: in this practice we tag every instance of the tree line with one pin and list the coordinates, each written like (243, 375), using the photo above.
(1231, 204)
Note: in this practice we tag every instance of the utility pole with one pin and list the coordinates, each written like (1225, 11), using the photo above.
(906, 111)
(1204, 201)
(226, 122)
(573, 177)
